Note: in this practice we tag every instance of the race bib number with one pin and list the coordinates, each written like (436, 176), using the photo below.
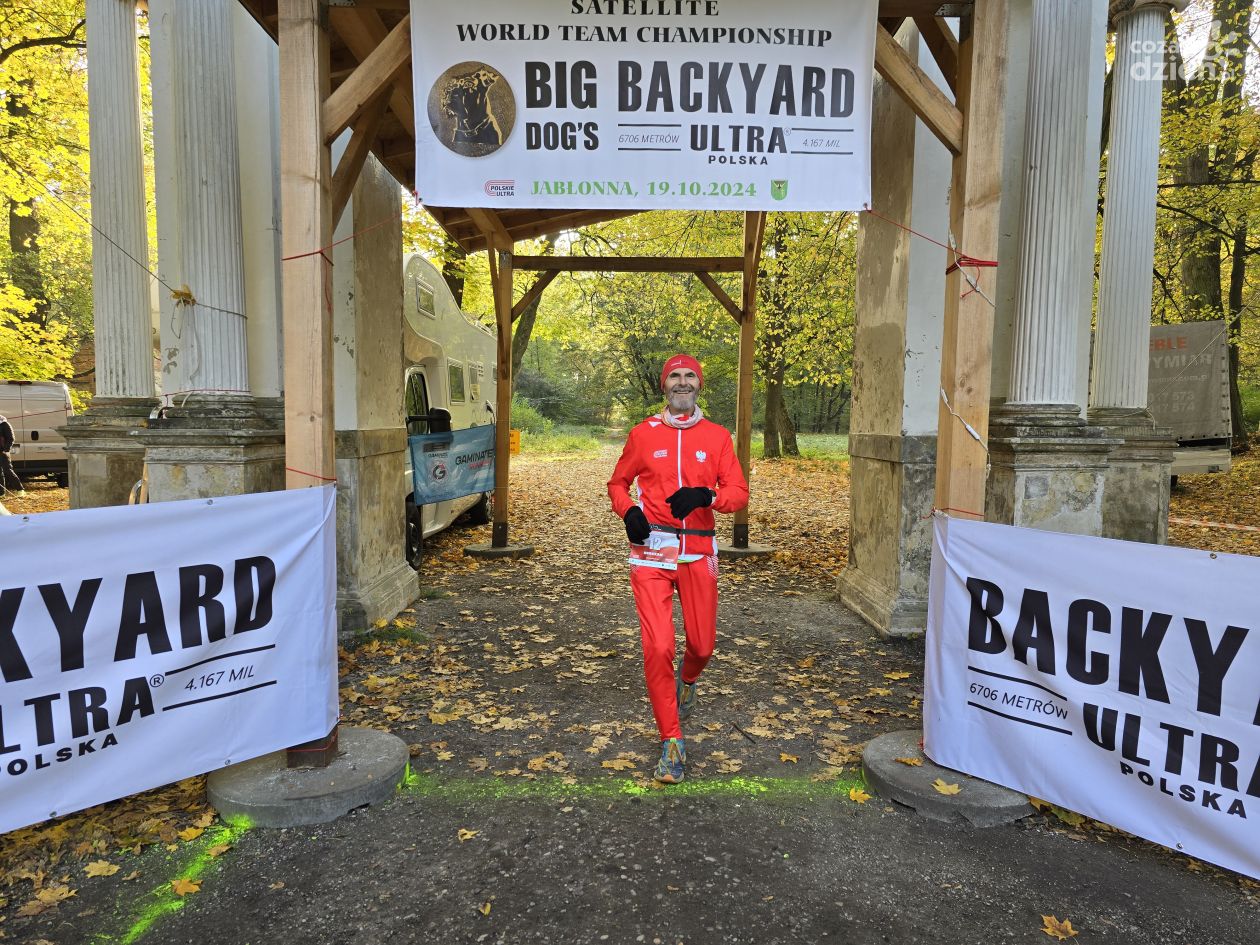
(661, 551)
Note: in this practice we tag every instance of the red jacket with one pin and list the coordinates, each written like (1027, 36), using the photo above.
(665, 459)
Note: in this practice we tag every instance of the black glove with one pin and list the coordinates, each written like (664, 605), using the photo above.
(689, 498)
(637, 527)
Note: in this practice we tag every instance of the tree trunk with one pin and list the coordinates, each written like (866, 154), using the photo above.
(770, 422)
(1201, 241)
(525, 324)
(453, 260)
(1237, 283)
(520, 337)
(24, 269)
(787, 429)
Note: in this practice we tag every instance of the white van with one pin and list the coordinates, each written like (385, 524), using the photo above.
(35, 409)
(449, 384)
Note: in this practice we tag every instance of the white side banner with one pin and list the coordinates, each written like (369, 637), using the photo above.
(643, 104)
(1116, 679)
(140, 645)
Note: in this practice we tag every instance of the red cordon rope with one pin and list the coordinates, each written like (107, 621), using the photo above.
(961, 260)
(303, 472)
(1202, 524)
(947, 510)
(323, 250)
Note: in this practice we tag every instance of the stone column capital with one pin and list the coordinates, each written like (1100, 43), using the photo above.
(1119, 9)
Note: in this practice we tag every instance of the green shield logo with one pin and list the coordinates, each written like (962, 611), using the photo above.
(778, 189)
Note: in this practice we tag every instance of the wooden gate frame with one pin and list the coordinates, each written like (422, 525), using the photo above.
(352, 42)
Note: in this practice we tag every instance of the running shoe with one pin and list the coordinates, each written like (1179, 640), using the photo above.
(669, 770)
(686, 693)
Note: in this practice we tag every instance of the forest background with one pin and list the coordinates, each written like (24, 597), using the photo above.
(587, 356)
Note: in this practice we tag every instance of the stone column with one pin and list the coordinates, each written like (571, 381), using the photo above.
(1135, 503)
(374, 580)
(1048, 466)
(104, 460)
(897, 352)
(212, 437)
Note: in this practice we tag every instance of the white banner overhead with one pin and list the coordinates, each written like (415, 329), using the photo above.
(1116, 679)
(140, 645)
(644, 104)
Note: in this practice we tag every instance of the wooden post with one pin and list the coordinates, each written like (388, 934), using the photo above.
(967, 345)
(502, 276)
(305, 179)
(754, 228)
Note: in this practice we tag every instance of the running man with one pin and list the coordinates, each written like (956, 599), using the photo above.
(686, 470)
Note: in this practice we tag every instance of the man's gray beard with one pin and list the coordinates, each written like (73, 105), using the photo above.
(683, 404)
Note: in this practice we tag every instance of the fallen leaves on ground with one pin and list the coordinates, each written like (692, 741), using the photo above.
(912, 762)
(46, 899)
(1057, 929)
(465, 834)
(185, 887)
(857, 794)
(941, 787)
(38, 860)
(101, 868)
(498, 662)
(1224, 498)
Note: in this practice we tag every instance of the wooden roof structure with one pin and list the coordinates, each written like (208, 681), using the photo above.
(374, 33)
(346, 64)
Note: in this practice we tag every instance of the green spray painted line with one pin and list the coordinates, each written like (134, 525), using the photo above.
(470, 789)
(162, 901)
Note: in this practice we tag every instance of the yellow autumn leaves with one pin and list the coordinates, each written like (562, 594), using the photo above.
(1057, 929)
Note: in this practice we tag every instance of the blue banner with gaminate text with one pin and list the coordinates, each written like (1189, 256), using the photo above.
(446, 466)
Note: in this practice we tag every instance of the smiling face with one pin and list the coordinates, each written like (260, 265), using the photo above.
(682, 386)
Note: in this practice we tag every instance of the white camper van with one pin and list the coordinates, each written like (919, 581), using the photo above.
(35, 410)
(449, 385)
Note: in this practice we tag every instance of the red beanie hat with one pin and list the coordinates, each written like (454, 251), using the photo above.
(681, 361)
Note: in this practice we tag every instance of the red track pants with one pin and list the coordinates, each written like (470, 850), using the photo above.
(654, 598)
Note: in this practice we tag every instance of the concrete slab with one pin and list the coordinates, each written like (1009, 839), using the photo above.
(368, 769)
(752, 551)
(491, 552)
(980, 803)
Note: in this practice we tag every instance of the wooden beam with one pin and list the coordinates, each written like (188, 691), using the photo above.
(754, 234)
(306, 225)
(974, 206)
(940, 39)
(362, 31)
(539, 226)
(374, 74)
(501, 275)
(356, 153)
(920, 92)
(491, 228)
(720, 294)
(533, 292)
(630, 263)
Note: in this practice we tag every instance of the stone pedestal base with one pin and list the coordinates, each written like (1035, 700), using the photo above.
(752, 550)
(368, 769)
(1139, 475)
(212, 446)
(491, 553)
(890, 536)
(105, 460)
(1049, 469)
(374, 581)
